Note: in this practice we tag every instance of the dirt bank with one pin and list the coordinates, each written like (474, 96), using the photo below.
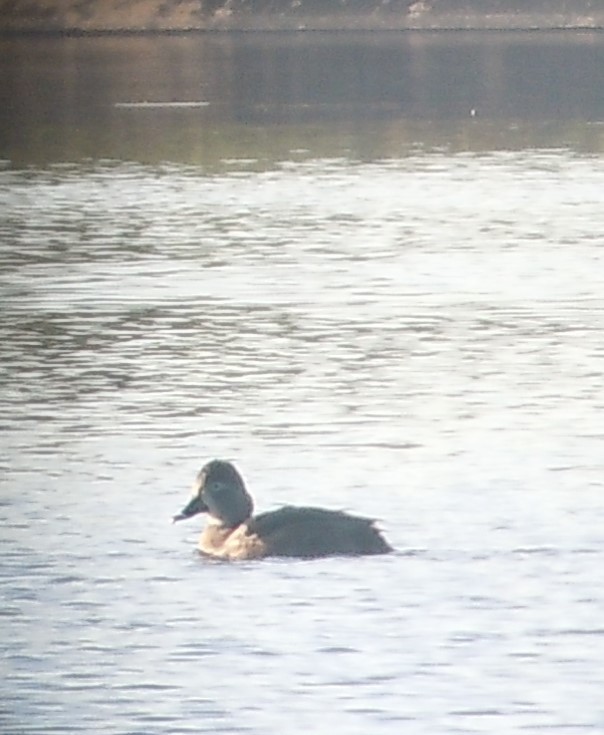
(101, 16)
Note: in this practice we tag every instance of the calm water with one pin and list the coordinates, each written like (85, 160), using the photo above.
(366, 296)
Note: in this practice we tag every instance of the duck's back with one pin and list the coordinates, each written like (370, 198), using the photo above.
(312, 532)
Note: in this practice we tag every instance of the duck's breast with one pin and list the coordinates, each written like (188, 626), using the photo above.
(228, 543)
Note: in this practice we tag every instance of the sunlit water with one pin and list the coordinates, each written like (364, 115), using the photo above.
(418, 339)
(404, 319)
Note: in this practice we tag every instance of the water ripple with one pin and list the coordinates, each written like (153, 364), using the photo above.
(415, 339)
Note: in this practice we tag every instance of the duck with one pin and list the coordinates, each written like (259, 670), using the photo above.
(234, 533)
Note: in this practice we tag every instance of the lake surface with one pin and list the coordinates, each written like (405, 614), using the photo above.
(367, 268)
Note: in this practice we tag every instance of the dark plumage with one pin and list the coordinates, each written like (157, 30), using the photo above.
(304, 532)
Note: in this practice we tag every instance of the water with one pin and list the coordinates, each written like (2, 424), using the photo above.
(396, 312)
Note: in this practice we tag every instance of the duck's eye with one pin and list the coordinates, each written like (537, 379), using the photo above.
(216, 488)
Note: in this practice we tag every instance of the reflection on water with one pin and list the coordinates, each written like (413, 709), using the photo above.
(266, 95)
(399, 314)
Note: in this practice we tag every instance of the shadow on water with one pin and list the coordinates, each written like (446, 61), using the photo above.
(268, 96)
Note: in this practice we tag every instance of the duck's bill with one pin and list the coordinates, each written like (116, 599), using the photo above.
(195, 506)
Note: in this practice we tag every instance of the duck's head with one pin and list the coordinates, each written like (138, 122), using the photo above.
(219, 490)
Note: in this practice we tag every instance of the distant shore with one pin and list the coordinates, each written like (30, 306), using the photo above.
(162, 16)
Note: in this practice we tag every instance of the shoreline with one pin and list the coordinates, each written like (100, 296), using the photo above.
(101, 17)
